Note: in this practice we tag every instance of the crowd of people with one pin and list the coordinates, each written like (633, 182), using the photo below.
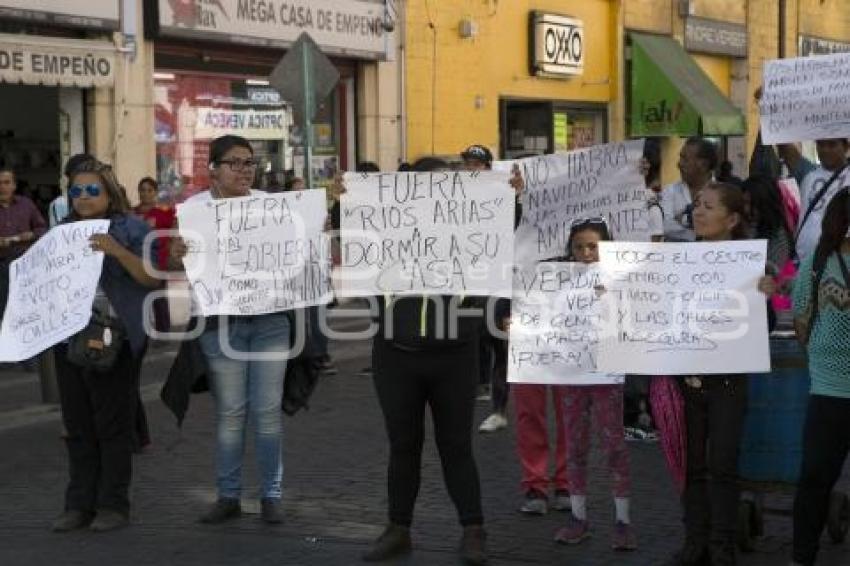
(418, 365)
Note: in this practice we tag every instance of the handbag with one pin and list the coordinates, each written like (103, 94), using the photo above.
(97, 346)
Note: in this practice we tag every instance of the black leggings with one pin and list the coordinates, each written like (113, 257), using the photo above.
(826, 441)
(446, 380)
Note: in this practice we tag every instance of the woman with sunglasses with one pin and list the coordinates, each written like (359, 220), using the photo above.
(598, 407)
(715, 407)
(242, 388)
(96, 405)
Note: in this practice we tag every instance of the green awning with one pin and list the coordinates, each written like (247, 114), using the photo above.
(672, 96)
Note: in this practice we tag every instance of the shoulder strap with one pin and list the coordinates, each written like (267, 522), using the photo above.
(818, 197)
(844, 270)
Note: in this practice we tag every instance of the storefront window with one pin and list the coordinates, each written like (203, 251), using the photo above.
(192, 109)
(534, 128)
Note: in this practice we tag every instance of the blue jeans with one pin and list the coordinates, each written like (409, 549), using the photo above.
(247, 388)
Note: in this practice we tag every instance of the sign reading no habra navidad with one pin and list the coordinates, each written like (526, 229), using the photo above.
(352, 28)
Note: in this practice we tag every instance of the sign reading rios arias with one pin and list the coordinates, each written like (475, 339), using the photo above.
(558, 45)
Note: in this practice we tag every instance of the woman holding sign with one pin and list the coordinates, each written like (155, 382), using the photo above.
(96, 396)
(245, 359)
(715, 406)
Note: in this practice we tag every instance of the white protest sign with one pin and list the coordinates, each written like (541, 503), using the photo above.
(446, 232)
(555, 326)
(51, 290)
(258, 254)
(684, 308)
(602, 180)
(806, 98)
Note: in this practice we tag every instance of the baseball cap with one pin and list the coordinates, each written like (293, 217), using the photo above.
(479, 153)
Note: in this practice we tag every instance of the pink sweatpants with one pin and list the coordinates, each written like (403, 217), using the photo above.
(602, 407)
(532, 432)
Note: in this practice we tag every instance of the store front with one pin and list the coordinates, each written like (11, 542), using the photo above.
(46, 73)
(671, 97)
(215, 85)
(535, 127)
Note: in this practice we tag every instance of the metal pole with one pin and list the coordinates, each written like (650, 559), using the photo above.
(308, 118)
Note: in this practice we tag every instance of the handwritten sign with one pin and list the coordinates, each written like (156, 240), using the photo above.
(806, 98)
(684, 308)
(51, 290)
(599, 181)
(257, 254)
(449, 232)
(555, 326)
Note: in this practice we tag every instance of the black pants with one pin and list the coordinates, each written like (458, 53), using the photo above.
(493, 367)
(96, 411)
(714, 415)
(446, 380)
(826, 440)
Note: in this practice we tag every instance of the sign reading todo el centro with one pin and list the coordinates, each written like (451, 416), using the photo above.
(684, 308)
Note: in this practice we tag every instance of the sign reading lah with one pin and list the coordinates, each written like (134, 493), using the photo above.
(558, 45)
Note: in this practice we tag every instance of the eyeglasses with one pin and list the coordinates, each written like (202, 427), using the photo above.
(76, 191)
(238, 164)
(585, 221)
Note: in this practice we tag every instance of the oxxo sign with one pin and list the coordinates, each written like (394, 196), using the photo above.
(558, 45)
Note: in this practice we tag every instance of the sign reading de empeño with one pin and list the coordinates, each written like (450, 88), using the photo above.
(344, 27)
(46, 61)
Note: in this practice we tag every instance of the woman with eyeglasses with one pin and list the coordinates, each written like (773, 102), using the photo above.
(96, 404)
(242, 389)
(596, 407)
(715, 408)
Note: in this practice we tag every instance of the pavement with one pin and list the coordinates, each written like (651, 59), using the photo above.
(334, 491)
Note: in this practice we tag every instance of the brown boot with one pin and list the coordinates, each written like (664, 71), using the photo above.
(393, 542)
(473, 548)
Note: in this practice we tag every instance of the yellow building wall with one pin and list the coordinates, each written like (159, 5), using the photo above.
(734, 11)
(718, 69)
(453, 85)
(649, 15)
(829, 19)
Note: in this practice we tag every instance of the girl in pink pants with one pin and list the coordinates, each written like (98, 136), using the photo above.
(599, 407)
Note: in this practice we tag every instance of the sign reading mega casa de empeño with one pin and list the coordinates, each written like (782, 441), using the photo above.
(558, 45)
(353, 28)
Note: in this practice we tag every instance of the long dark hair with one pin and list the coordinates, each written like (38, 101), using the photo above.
(598, 225)
(836, 221)
(766, 201)
(117, 201)
(732, 199)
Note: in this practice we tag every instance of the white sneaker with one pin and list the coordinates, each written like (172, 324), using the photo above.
(535, 504)
(493, 423)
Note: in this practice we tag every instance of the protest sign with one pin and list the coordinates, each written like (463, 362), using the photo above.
(51, 290)
(684, 308)
(555, 326)
(446, 232)
(602, 180)
(257, 254)
(806, 98)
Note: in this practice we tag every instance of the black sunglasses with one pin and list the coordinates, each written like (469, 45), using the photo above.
(76, 191)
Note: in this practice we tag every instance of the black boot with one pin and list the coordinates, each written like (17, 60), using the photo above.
(393, 542)
(473, 547)
(694, 553)
(223, 510)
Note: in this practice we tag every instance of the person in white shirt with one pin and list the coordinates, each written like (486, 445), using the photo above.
(697, 161)
(832, 154)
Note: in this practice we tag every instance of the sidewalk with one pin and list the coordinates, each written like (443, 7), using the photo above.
(334, 494)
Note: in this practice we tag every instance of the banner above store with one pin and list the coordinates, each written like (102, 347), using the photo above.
(88, 14)
(51, 61)
(353, 28)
